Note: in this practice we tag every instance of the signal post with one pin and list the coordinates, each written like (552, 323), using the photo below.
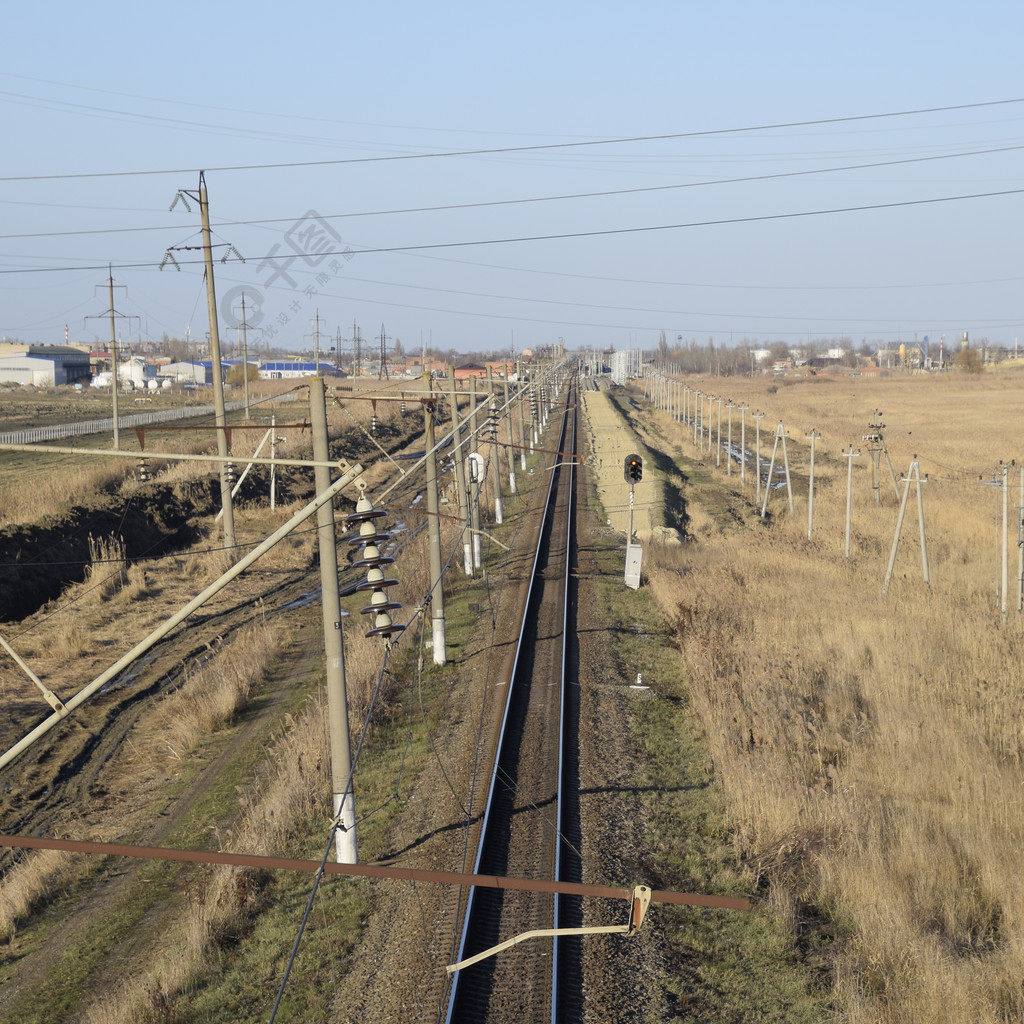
(633, 470)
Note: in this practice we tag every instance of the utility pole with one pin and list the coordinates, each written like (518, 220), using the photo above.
(521, 393)
(492, 407)
(850, 456)
(113, 360)
(1006, 540)
(316, 343)
(223, 448)
(245, 359)
(718, 443)
(913, 475)
(878, 448)
(780, 434)
(383, 371)
(460, 477)
(758, 416)
(1020, 544)
(813, 435)
(111, 313)
(743, 442)
(437, 627)
(346, 851)
(511, 438)
(728, 454)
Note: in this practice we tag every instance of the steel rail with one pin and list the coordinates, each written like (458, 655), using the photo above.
(495, 780)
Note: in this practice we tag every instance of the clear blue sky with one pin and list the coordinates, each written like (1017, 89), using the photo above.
(741, 241)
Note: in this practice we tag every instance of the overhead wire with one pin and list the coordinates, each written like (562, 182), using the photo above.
(563, 235)
(440, 154)
(605, 193)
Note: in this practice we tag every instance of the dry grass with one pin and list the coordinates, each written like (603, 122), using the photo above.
(215, 688)
(870, 746)
(56, 485)
(36, 878)
(226, 898)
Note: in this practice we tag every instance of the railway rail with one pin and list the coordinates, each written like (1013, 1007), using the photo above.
(531, 820)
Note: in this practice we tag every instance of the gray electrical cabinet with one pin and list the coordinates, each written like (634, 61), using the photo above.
(634, 556)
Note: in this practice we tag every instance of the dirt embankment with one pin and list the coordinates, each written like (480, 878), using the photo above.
(611, 441)
(39, 560)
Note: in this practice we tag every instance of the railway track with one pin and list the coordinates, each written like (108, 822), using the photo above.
(531, 818)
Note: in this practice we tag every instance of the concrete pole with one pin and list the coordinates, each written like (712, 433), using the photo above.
(511, 439)
(495, 468)
(1020, 545)
(728, 455)
(460, 476)
(521, 391)
(223, 449)
(810, 487)
(850, 456)
(718, 441)
(1006, 538)
(743, 443)
(437, 630)
(345, 848)
(757, 457)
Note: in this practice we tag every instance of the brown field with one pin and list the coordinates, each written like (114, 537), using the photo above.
(869, 745)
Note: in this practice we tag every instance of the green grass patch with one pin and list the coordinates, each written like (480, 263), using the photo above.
(722, 966)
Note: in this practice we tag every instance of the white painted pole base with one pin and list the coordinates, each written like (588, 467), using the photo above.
(345, 849)
(437, 632)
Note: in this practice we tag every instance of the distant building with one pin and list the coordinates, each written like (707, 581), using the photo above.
(198, 373)
(467, 370)
(46, 366)
(283, 369)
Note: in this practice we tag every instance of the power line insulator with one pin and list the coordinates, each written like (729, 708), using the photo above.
(142, 474)
(372, 560)
(230, 473)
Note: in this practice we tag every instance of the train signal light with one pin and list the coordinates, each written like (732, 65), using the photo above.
(634, 469)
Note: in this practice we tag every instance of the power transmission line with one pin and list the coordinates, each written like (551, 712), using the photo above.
(603, 232)
(517, 149)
